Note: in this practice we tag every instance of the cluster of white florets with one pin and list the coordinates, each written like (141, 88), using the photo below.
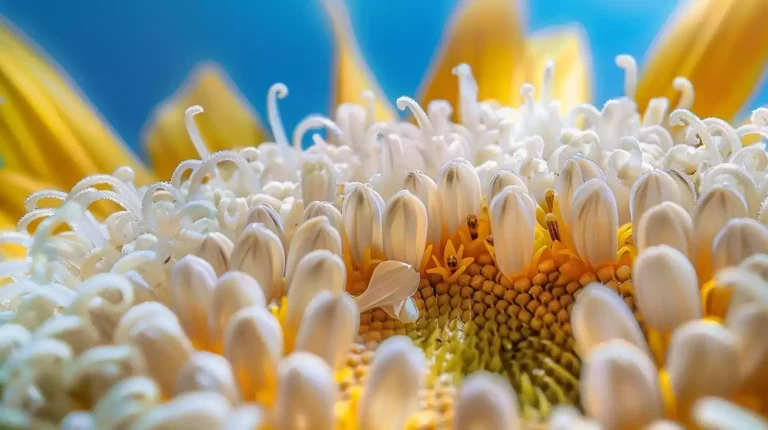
(178, 309)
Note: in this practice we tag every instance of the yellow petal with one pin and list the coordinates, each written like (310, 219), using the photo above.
(352, 74)
(46, 123)
(227, 122)
(568, 49)
(716, 44)
(488, 36)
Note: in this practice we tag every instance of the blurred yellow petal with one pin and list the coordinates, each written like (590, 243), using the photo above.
(14, 189)
(720, 45)
(352, 76)
(227, 122)
(488, 36)
(46, 123)
(568, 49)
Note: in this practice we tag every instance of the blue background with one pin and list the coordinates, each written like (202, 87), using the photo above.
(129, 56)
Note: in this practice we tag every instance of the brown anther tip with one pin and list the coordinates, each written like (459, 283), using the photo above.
(472, 225)
(489, 239)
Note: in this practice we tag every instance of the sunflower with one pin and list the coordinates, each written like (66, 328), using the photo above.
(520, 265)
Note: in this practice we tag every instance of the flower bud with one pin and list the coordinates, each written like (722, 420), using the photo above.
(259, 253)
(460, 193)
(405, 229)
(486, 401)
(666, 288)
(737, 240)
(600, 315)
(329, 326)
(577, 170)
(513, 218)
(216, 250)
(652, 188)
(192, 284)
(362, 212)
(318, 271)
(500, 180)
(748, 324)
(328, 210)
(712, 211)
(196, 410)
(253, 344)
(207, 372)
(307, 394)
(265, 214)
(701, 362)
(666, 224)
(614, 369)
(713, 413)
(234, 291)
(685, 187)
(423, 187)
(315, 234)
(391, 392)
(318, 180)
(595, 223)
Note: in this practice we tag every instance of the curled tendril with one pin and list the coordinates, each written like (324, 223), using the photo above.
(209, 166)
(628, 63)
(193, 132)
(422, 119)
(685, 88)
(314, 122)
(685, 117)
(94, 287)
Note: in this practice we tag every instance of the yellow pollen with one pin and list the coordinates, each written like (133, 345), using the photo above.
(549, 197)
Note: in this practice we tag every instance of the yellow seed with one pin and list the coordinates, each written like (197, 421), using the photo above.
(587, 278)
(509, 295)
(455, 302)
(376, 326)
(505, 282)
(365, 318)
(545, 297)
(477, 282)
(466, 304)
(489, 271)
(501, 305)
(388, 324)
(626, 288)
(613, 284)
(454, 290)
(522, 285)
(490, 300)
(513, 310)
(606, 273)
(488, 286)
(443, 299)
(464, 280)
(441, 288)
(485, 259)
(557, 292)
(524, 316)
(498, 290)
(540, 279)
(572, 286)
(624, 273)
(473, 269)
(546, 267)
(522, 299)
(427, 293)
(536, 291)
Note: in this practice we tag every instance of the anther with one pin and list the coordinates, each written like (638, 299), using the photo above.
(472, 225)
(554, 231)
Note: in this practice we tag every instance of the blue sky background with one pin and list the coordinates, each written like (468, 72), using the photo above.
(129, 56)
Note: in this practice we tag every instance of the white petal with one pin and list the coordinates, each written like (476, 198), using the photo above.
(405, 228)
(712, 413)
(328, 210)
(362, 212)
(216, 250)
(486, 401)
(737, 240)
(315, 234)
(192, 284)
(513, 217)
(265, 214)
(651, 189)
(600, 315)
(391, 392)
(666, 224)
(423, 187)
(318, 271)
(500, 180)
(666, 288)
(234, 291)
(307, 394)
(330, 323)
(206, 371)
(460, 195)
(193, 411)
(391, 283)
(259, 253)
(701, 361)
(577, 170)
(748, 324)
(318, 180)
(595, 223)
(619, 386)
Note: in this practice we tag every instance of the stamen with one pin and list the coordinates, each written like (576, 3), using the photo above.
(527, 90)
(547, 82)
(370, 110)
(627, 62)
(489, 239)
(421, 117)
(468, 92)
(685, 88)
(549, 197)
(194, 133)
(472, 225)
(554, 231)
(314, 122)
(452, 262)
